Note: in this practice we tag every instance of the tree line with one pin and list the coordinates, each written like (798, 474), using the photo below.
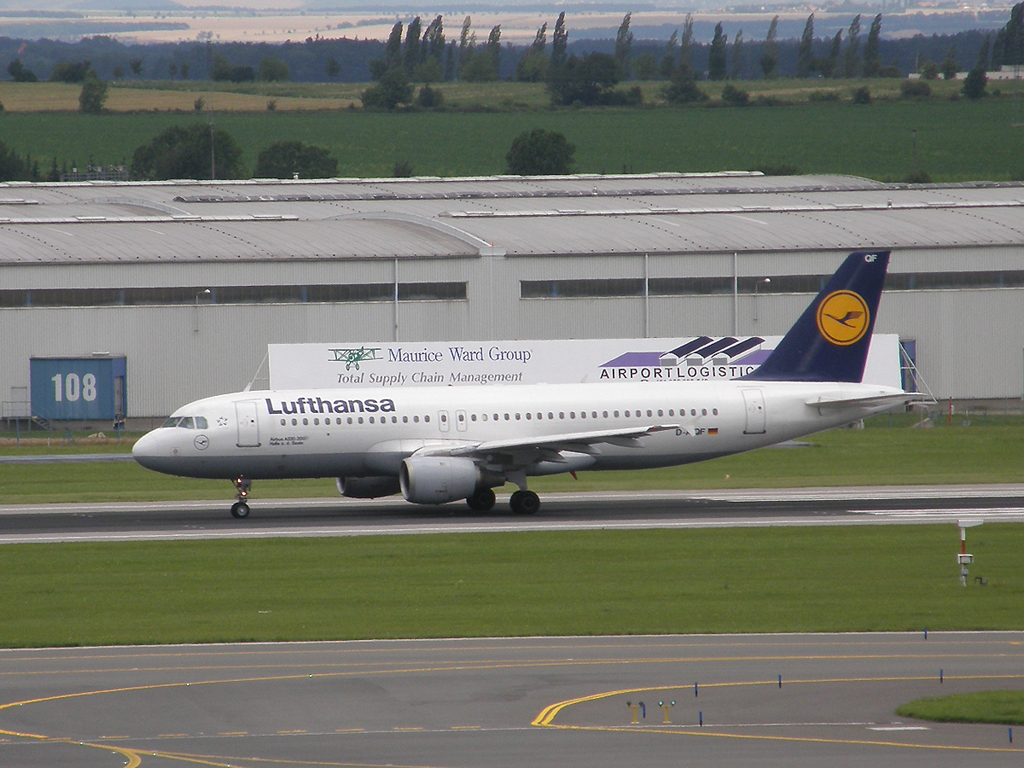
(428, 55)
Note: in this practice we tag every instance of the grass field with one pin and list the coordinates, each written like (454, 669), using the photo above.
(887, 140)
(875, 456)
(1004, 707)
(632, 582)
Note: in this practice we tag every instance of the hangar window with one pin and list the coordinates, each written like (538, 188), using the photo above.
(233, 294)
(616, 287)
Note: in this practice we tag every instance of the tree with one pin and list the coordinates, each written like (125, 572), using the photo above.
(93, 95)
(770, 57)
(332, 69)
(850, 65)
(977, 80)
(12, 166)
(686, 41)
(20, 73)
(738, 57)
(559, 43)
(392, 89)
(70, 72)
(432, 45)
(287, 159)
(273, 70)
(533, 66)
(623, 46)
(717, 55)
(467, 45)
(411, 55)
(830, 62)
(540, 153)
(975, 83)
(393, 47)
(805, 53)
(929, 70)
(645, 67)
(668, 61)
(949, 67)
(1013, 37)
(735, 96)
(682, 87)
(185, 152)
(872, 56)
(587, 80)
(135, 65)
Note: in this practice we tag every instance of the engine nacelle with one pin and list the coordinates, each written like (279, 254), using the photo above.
(438, 479)
(367, 487)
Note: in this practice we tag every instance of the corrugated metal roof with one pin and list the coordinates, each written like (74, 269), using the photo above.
(109, 222)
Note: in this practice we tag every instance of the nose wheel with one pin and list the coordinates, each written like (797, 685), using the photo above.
(240, 509)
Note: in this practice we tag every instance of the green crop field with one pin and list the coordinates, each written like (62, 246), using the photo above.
(886, 140)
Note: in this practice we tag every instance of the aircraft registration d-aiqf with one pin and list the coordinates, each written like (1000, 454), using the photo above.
(436, 445)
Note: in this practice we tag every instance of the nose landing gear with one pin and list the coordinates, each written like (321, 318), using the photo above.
(240, 509)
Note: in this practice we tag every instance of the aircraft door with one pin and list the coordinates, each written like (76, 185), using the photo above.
(460, 421)
(442, 421)
(248, 424)
(754, 401)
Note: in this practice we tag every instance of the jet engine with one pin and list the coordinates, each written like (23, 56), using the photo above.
(367, 487)
(438, 479)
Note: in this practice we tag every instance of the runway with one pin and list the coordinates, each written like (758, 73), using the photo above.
(741, 700)
(338, 516)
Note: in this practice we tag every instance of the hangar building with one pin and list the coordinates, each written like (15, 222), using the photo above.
(183, 284)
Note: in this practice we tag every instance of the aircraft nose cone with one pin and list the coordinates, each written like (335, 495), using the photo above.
(150, 451)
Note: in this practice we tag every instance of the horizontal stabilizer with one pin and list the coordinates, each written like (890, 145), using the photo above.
(891, 399)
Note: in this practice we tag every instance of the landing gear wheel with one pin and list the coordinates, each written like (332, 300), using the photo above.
(239, 509)
(524, 503)
(482, 500)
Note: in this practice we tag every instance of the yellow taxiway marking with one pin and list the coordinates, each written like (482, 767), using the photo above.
(547, 715)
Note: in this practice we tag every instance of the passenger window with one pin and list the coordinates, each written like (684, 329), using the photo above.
(416, 419)
(305, 422)
(283, 422)
(405, 419)
(616, 414)
(473, 417)
(583, 414)
(572, 414)
(360, 419)
(661, 412)
(349, 419)
(551, 416)
(518, 417)
(715, 411)
(529, 416)
(693, 411)
(704, 412)
(506, 417)
(295, 422)
(671, 412)
(426, 419)
(627, 414)
(561, 414)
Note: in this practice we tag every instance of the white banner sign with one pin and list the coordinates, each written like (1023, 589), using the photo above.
(437, 363)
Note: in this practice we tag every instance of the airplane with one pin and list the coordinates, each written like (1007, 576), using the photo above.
(436, 445)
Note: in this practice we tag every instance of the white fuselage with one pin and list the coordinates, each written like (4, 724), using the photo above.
(368, 432)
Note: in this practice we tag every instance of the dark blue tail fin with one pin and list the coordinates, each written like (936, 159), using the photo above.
(830, 340)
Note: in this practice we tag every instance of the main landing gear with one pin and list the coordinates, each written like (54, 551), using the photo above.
(522, 502)
(242, 486)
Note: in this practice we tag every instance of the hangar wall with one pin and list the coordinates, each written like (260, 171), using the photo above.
(520, 275)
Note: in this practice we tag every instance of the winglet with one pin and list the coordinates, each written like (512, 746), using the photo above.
(830, 341)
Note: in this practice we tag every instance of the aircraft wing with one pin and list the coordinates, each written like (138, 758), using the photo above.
(531, 449)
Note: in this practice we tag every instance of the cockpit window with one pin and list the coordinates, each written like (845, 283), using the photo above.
(187, 422)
